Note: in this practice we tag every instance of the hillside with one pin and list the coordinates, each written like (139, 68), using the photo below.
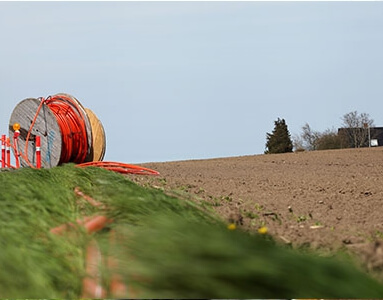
(322, 199)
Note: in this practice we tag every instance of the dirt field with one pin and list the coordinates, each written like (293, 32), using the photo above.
(322, 199)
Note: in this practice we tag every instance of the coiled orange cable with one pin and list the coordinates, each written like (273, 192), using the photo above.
(73, 128)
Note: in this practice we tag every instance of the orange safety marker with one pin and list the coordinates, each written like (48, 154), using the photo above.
(16, 135)
(38, 152)
(3, 151)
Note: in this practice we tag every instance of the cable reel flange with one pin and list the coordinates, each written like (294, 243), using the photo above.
(46, 126)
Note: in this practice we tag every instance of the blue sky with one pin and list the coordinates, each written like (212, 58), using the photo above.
(193, 80)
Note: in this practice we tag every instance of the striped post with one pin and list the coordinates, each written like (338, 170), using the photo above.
(16, 143)
(3, 151)
(38, 152)
(8, 150)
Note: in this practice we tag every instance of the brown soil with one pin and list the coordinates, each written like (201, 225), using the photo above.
(326, 200)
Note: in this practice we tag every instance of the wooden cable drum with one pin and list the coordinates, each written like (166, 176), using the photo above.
(69, 133)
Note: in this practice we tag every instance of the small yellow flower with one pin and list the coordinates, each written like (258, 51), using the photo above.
(231, 226)
(262, 230)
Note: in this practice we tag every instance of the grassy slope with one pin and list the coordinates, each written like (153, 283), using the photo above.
(173, 247)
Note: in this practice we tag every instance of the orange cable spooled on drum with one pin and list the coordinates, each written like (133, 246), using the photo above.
(69, 133)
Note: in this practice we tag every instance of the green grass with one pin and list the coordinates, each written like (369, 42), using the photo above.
(166, 247)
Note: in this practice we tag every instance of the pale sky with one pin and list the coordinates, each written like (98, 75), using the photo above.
(194, 80)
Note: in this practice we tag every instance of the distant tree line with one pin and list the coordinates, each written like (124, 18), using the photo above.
(354, 133)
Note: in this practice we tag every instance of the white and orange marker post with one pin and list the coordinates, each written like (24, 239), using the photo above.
(16, 135)
(8, 150)
(3, 137)
(38, 152)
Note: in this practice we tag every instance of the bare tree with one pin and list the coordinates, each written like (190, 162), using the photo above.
(298, 143)
(310, 137)
(356, 127)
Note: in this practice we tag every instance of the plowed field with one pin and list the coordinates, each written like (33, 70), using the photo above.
(325, 200)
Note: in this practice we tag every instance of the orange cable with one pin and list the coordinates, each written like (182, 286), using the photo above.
(73, 128)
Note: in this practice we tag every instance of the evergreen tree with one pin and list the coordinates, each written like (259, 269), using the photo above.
(279, 141)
